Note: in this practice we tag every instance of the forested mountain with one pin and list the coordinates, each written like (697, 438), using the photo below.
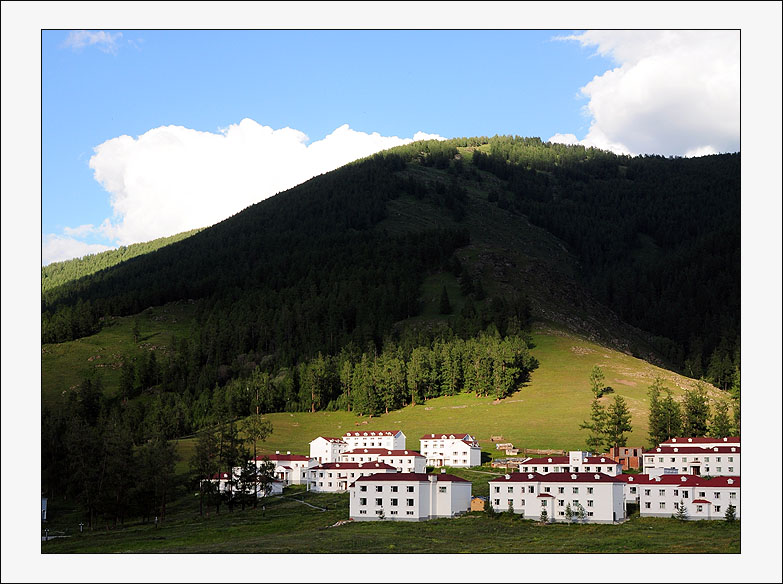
(323, 297)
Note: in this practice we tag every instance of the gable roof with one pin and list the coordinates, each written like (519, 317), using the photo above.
(701, 440)
(566, 460)
(450, 436)
(557, 477)
(694, 450)
(402, 453)
(371, 433)
(682, 480)
(330, 439)
(413, 477)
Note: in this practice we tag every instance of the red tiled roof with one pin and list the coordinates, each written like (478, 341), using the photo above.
(546, 495)
(566, 460)
(685, 480)
(289, 457)
(701, 440)
(413, 477)
(331, 439)
(443, 436)
(371, 433)
(366, 451)
(694, 450)
(557, 477)
(402, 453)
(353, 465)
(702, 501)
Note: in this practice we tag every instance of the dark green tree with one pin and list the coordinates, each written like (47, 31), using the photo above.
(596, 426)
(597, 381)
(720, 424)
(618, 422)
(696, 411)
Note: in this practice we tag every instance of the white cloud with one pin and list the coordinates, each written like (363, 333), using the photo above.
(56, 248)
(105, 41)
(172, 179)
(673, 92)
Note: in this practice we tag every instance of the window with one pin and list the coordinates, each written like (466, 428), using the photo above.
(676, 505)
(394, 502)
(393, 513)
(547, 489)
(522, 504)
(662, 505)
(589, 490)
(660, 459)
(699, 508)
(731, 459)
(646, 504)
(363, 512)
(684, 470)
(496, 503)
(561, 489)
(510, 503)
(330, 484)
(717, 508)
(702, 494)
(731, 469)
(732, 495)
(409, 513)
(394, 488)
(561, 513)
(576, 489)
(363, 488)
(646, 492)
(718, 469)
(633, 490)
(379, 501)
(662, 492)
(362, 501)
(441, 489)
(684, 459)
(717, 459)
(587, 469)
(409, 488)
(511, 489)
(543, 502)
(378, 488)
(535, 469)
(560, 503)
(531, 489)
(409, 502)
(716, 495)
(685, 494)
(497, 489)
(575, 502)
(673, 459)
(589, 502)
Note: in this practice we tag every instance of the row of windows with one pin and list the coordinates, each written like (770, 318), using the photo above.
(560, 503)
(693, 459)
(392, 488)
(565, 469)
(392, 502)
(676, 493)
(532, 489)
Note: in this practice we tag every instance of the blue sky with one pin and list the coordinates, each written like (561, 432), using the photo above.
(451, 83)
(147, 133)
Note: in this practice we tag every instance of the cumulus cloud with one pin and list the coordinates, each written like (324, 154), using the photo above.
(672, 93)
(57, 248)
(105, 41)
(172, 179)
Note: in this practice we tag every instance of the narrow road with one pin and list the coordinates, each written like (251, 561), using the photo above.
(304, 503)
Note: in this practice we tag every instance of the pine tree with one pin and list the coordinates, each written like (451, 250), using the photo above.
(696, 411)
(597, 427)
(597, 381)
(731, 513)
(618, 422)
(682, 512)
(720, 424)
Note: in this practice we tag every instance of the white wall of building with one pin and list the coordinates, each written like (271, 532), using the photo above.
(389, 439)
(455, 450)
(325, 449)
(714, 461)
(702, 498)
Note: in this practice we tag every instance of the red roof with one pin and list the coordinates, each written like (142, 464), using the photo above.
(223, 476)
(546, 495)
(413, 476)
(353, 465)
(444, 436)
(702, 501)
(371, 433)
(694, 450)
(567, 460)
(330, 439)
(402, 453)
(279, 457)
(557, 477)
(702, 440)
(684, 480)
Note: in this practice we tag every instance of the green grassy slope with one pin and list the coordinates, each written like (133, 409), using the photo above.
(544, 414)
(64, 365)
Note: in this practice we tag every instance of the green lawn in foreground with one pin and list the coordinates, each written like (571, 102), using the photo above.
(287, 526)
(546, 413)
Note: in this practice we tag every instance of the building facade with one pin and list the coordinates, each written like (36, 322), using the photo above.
(456, 450)
(388, 439)
(599, 495)
(703, 441)
(576, 461)
(291, 469)
(628, 457)
(662, 495)
(327, 449)
(409, 497)
(335, 477)
(695, 460)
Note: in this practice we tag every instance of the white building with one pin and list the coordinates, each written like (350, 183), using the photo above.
(456, 450)
(576, 461)
(712, 461)
(292, 469)
(599, 494)
(409, 497)
(389, 439)
(334, 477)
(661, 496)
(327, 449)
(222, 482)
(703, 442)
(402, 460)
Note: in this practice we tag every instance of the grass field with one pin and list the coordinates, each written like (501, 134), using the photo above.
(64, 365)
(288, 526)
(545, 413)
